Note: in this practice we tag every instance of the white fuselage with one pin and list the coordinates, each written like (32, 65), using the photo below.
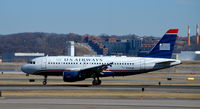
(120, 65)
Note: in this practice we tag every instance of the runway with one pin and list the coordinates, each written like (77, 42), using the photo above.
(168, 88)
(69, 103)
(114, 93)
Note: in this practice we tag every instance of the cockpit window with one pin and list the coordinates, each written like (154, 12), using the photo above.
(31, 62)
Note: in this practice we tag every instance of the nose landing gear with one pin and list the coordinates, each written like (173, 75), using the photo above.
(45, 80)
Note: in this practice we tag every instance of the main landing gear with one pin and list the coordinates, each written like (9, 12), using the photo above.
(96, 81)
(45, 80)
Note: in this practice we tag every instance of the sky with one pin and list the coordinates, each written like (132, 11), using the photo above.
(96, 17)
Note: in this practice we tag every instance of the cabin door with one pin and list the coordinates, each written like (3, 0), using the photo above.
(43, 63)
(142, 64)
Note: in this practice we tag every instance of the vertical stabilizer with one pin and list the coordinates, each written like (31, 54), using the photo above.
(165, 46)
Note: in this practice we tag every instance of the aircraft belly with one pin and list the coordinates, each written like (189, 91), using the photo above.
(50, 72)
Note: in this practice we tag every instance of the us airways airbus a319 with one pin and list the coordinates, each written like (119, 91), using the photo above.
(80, 68)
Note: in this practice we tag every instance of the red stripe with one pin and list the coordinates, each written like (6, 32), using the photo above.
(57, 70)
(172, 31)
(70, 70)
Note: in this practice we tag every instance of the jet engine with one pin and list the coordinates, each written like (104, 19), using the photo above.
(71, 76)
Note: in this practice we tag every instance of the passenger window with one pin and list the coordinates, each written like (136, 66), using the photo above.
(31, 62)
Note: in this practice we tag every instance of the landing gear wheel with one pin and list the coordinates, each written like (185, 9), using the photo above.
(44, 82)
(99, 82)
(96, 82)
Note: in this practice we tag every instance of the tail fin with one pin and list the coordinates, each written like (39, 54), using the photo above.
(165, 46)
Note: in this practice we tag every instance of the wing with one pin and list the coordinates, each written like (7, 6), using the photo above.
(98, 68)
(88, 71)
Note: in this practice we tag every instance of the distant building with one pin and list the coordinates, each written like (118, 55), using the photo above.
(112, 40)
(133, 47)
(115, 47)
(112, 46)
(20, 57)
(123, 47)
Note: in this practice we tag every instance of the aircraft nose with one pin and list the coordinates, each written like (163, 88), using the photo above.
(24, 68)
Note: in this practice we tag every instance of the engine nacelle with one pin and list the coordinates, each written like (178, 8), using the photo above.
(70, 76)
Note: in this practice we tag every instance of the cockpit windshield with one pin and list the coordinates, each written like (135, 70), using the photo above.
(31, 62)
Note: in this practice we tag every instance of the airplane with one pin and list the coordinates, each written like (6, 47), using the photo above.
(78, 68)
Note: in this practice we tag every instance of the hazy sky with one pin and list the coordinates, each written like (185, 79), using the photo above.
(113, 17)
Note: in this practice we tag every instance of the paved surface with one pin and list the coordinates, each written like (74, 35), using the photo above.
(98, 103)
(103, 87)
(101, 103)
(183, 81)
(49, 103)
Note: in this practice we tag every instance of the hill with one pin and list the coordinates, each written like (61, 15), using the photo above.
(56, 44)
(51, 44)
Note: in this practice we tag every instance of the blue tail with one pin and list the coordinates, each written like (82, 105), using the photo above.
(165, 46)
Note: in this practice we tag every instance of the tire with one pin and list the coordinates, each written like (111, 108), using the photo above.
(95, 82)
(99, 82)
(44, 83)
